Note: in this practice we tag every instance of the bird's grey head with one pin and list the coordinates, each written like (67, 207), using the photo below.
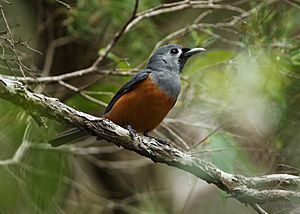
(166, 65)
(172, 58)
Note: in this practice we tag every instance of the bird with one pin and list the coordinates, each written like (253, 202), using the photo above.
(144, 101)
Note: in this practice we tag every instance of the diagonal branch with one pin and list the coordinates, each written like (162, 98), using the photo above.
(173, 7)
(117, 36)
(248, 190)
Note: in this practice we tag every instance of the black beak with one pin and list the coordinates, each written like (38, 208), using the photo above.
(188, 52)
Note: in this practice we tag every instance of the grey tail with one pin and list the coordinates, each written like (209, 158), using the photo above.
(69, 136)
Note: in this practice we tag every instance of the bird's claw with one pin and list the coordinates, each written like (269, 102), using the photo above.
(162, 142)
(132, 131)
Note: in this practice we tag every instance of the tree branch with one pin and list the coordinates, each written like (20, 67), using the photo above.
(248, 190)
(135, 18)
(117, 36)
(181, 5)
(94, 68)
(67, 76)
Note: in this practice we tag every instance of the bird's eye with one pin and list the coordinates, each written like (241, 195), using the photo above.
(174, 51)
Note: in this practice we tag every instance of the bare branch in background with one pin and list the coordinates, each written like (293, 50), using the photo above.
(82, 93)
(92, 69)
(258, 209)
(67, 76)
(162, 9)
(12, 42)
(51, 52)
(21, 151)
(173, 7)
(117, 36)
(64, 4)
(294, 4)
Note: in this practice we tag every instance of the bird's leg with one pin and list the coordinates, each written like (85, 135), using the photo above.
(132, 131)
(146, 133)
(160, 141)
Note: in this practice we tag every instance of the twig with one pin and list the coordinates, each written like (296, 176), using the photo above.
(117, 36)
(93, 68)
(258, 209)
(67, 76)
(204, 139)
(216, 36)
(182, 142)
(83, 94)
(105, 93)
(11, 41)
(7, 2)
(168, 8)
(64, 4)
(21, 151)
(51, 50)
(294, 4)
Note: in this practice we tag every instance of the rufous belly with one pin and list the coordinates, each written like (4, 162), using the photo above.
(144, 107)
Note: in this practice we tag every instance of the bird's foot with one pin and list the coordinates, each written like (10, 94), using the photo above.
(132, 131)
(162, 142)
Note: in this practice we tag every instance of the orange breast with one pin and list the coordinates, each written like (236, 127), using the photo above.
(144, 107)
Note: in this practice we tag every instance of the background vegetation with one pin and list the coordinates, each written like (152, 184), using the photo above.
(239, 106)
